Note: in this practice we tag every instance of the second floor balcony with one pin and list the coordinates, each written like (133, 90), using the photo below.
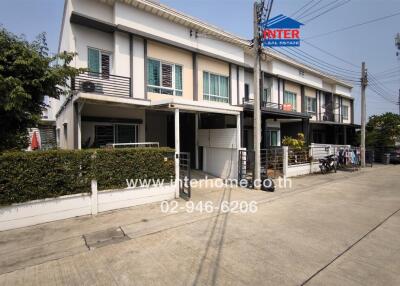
(102, 83)
(285, 107)
(333, 117)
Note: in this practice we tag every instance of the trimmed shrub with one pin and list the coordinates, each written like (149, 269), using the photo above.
(27, 176)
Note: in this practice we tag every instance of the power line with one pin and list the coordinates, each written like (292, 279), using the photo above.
(318, 9)
(305, 11)
(378, 88)
(347, 71)
(318, 67)
(396, 68)
(330, 54)
(322, 65)
(382, 96)
(328, 10)
(302, 7)
(381, 86)
(355, 25)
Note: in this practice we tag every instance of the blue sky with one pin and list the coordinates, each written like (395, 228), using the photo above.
(373, 43)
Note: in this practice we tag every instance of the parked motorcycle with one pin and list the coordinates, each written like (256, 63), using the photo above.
(328, 164)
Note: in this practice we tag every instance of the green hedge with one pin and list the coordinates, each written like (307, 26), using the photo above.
(27, 176)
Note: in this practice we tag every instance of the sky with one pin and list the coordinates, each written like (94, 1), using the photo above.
(372, 43)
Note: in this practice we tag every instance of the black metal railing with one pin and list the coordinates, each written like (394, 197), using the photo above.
(268, 104)
(106, 84)
(332, 117)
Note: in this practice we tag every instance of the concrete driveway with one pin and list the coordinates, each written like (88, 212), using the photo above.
(337, 229)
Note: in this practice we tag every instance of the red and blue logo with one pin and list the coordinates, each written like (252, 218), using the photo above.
(281, 31)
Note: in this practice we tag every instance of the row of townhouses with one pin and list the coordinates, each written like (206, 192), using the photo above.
(158, 75)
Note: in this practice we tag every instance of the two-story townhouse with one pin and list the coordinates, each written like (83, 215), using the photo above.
(158, 75)
(296, 99)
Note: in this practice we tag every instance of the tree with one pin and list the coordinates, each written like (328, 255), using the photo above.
(383, 130)
(27, 74)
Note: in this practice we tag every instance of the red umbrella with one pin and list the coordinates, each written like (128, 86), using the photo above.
(35, 142)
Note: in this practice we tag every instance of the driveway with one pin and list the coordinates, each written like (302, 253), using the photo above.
(337, 229)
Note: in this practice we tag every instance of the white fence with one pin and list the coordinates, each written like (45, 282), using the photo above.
(317, 151)
(47, 210)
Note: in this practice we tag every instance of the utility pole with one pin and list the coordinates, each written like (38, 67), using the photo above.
(257, 106)
(364, 83)
(397, 43)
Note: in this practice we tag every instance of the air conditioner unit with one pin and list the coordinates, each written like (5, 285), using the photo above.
(88, 86)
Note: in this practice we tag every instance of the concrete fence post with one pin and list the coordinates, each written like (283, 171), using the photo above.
(94, 198)
(285, 160)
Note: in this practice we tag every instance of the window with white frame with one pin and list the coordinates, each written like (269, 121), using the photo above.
(215, 87)
(290, 98)
(345, 112)
(164, 78)
(99, 62)
(311, 105)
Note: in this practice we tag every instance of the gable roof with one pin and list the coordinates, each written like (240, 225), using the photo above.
(282, 22)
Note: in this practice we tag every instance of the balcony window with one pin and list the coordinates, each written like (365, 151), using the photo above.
(99, 62)
(290, 98)
(215, 87)
(164, 78)
(345, 112)
(311, 105)
(267, 95)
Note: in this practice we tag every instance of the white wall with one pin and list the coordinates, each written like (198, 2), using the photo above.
(95, 9)
(219, 151)
(292, 73)
(156, 27)
(234, 85)
(122, 54)
(138, 68)
(42, 211)
(342, 90)
(65, 122)
(220, 162)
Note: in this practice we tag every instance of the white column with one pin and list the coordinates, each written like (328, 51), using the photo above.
(238, 143)
(94, 199)
(196, 118)
(285, 160)
(177, 151)
(80, 107)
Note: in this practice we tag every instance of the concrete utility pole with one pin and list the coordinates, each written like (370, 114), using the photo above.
(257, 111)
(364, 83)
(397, 43)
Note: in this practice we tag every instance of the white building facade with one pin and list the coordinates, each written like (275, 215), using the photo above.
(157, 75)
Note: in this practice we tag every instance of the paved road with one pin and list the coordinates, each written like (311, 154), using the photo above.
(339, 229)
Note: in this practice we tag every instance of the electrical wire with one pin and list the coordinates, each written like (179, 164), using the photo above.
(305, 11)
(322, 66)
(317, 67)
(318, 9)
(302, 7)
(355, 25)
(330, 54)
(346, 71)
(382, 96)
(326, 11)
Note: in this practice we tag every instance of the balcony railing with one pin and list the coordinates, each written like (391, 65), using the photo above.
(106, 84)
(333, 117)
(267, 104)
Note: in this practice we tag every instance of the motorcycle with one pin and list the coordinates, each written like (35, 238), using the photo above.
(328, 164)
